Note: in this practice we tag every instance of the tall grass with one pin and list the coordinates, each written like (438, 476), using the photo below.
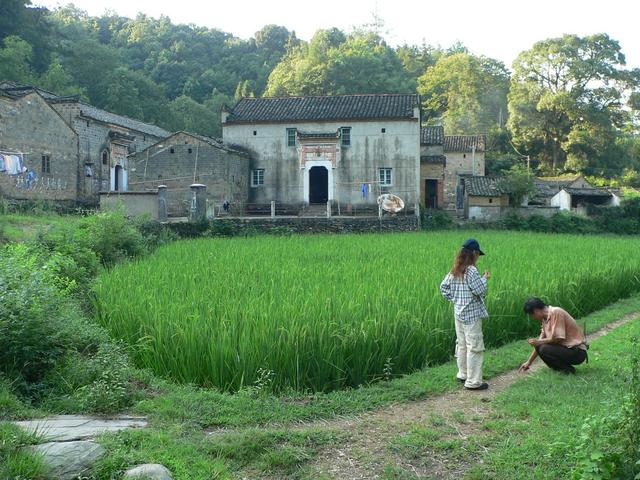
(326, 312)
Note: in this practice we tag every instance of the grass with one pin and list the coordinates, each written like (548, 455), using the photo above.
(329, 312)
(178, 438)
(537, 421)
(208, 408)
(16, 227)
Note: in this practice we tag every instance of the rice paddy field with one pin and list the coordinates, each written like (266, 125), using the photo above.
(327, 312)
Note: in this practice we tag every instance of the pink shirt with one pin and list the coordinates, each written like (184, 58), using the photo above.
(559, 324)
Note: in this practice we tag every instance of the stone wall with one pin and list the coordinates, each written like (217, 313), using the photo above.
(403, 223)
(29, 125)
(460, 163)
(94, 140)
(183, 160)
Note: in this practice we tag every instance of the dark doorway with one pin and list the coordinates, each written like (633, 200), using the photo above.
(117, 178)
(431, 193)
(318, 185)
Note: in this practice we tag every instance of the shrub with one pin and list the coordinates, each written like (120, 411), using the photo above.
(609, 445)
(435, 220)
(32, 315)
(113, 237)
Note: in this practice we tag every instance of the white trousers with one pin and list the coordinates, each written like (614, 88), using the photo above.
(469, 352)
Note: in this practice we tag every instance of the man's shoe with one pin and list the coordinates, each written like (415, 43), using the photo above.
(484, 386)
(461, 380)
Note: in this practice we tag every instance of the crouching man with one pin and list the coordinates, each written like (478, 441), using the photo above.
(561, 344)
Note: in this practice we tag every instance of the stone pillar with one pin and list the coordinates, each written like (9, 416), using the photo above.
(329, 209)
(417, 212)
(198, 210)
(273, 209)
(163, 209)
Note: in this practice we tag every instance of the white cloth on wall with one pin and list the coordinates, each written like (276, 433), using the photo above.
(13, 164)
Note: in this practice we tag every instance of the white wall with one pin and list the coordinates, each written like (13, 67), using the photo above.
(562, 199)
(398, 148)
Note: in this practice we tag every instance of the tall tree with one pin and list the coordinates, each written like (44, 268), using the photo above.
(467, 94)
(15, 60)
(567, 99)
(335, 63)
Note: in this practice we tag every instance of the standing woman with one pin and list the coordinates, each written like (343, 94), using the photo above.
(464, 286)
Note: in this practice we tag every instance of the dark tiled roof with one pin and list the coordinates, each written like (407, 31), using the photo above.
(484, 186)
(433, 158)
(588, 192)
(325, 108)
(304, 135)
(94, 113)
(464, 143)
(88, 111)
(432, 135)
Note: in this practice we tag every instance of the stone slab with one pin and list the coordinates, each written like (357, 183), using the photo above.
(69, 460)
(65, 428)
(148, 471)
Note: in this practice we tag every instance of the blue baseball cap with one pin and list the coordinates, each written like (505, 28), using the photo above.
(473, 245)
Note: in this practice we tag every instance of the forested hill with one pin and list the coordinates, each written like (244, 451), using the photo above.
(569, 102)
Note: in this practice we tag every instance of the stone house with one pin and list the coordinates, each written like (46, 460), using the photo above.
(102, 142)
(444, 161)
(571, 193)
(47, 147)
(343, 149)
(484, 198)
(183, 159)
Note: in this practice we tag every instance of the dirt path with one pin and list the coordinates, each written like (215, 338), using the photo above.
(397, 435)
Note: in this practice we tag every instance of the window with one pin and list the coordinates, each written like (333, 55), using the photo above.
(384, 130)
(385, 177)
(190, 150)
(172, 150)
(105, 157)
(291, 137)
(46, 164)
(491, 200)
(257, 177)
(255, 132)
(345, 136)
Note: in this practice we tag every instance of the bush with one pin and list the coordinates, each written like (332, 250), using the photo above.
(113, 237)
(609, 445)
(33, 315)
(435, 220)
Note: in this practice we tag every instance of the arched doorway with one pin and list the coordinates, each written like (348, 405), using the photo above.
(117, 178)
(318, 185)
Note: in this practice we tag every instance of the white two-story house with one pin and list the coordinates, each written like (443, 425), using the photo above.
(344, 149)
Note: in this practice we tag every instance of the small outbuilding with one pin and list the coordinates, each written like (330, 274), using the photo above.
(484, 198)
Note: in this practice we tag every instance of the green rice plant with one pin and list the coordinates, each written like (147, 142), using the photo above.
(328, 312)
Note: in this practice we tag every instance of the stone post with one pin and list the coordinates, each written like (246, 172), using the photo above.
(163, 210)
(273, 209)
(198, 210)
(329, 209)
(417, 212)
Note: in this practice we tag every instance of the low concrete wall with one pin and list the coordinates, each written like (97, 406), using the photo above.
(493, 213)
(134, 203)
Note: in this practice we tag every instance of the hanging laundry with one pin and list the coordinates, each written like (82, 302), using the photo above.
(364, 190)
(13, 164)
(1, 162)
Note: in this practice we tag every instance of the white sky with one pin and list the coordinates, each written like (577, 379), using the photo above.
(496, 28)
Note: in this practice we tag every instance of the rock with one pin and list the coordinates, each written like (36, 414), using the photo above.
(69, 460)
(148, 471)
(64, 428)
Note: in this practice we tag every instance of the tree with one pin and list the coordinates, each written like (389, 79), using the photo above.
(467, 94)
(15, 60)
(334, 63)
(567, 99)
(518, 183)
(57, 80)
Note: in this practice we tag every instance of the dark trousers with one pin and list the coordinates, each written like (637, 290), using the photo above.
(561, 358)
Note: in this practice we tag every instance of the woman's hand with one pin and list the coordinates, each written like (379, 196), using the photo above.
(524, 367)
(486, 275)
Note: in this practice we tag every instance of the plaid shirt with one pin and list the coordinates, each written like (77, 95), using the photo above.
(467, 295)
